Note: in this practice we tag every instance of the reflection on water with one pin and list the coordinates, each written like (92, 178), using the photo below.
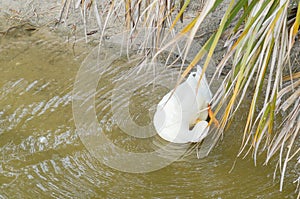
(42, 154)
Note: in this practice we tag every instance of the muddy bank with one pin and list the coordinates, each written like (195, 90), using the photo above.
(66, 20)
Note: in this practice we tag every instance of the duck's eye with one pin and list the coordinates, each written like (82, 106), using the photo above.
(194, 75)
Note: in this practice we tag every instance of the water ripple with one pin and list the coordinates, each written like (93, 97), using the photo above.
(42, 155)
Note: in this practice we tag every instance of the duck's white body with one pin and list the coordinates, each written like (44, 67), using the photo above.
(180, 109)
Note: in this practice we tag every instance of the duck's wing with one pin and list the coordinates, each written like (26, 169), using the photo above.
(168, 118)
(174, 113)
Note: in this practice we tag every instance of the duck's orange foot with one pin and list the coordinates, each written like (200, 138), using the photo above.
(212, 117)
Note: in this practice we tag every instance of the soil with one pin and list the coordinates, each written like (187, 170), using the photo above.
(67, 21)
(55, 19)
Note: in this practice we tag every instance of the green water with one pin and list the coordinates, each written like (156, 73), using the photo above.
(42, 155)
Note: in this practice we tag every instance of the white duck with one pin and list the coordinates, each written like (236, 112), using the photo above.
(181, 115)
